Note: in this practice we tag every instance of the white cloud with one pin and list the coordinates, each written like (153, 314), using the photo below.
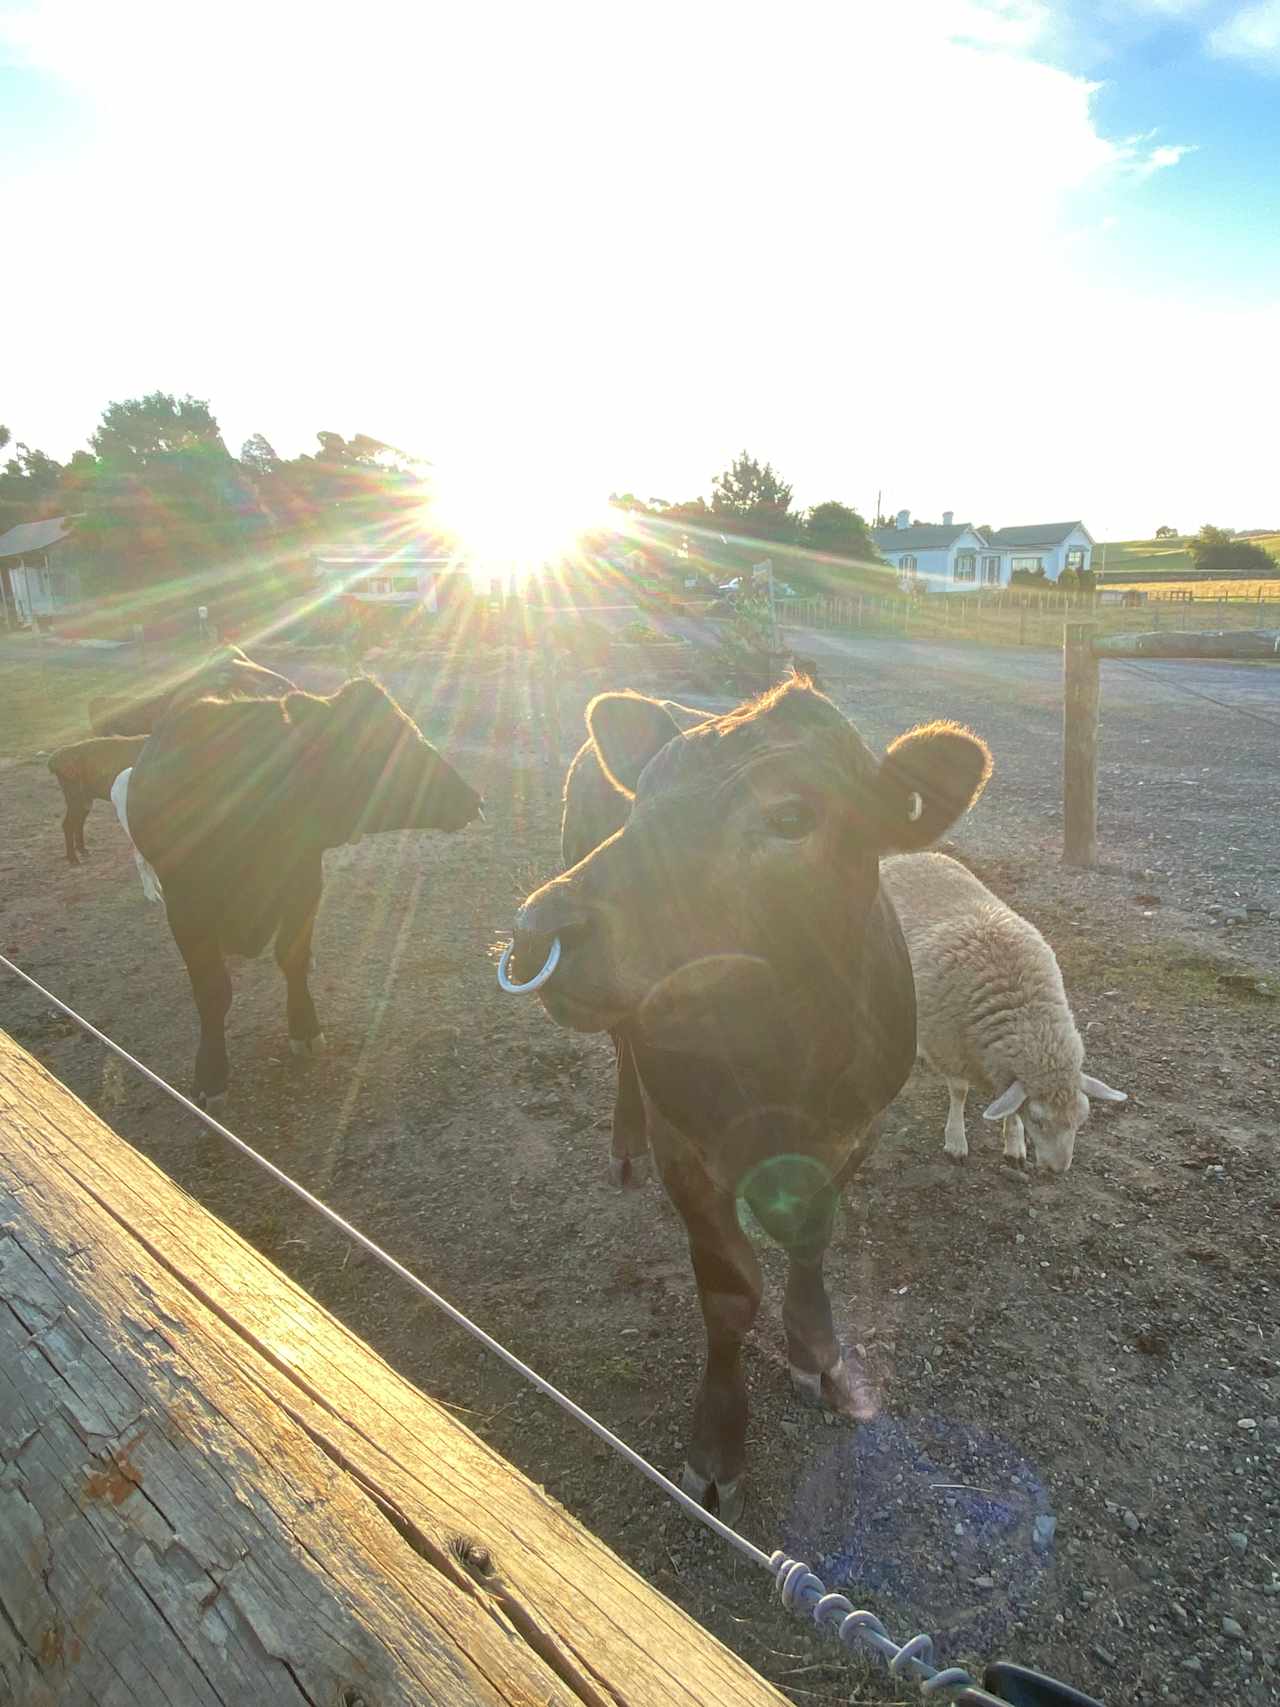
(1251, 34)
(613, 244)
(1168, 8)
(1158, 159)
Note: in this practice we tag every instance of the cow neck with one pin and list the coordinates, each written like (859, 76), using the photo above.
(320, 782)
(804, 1042)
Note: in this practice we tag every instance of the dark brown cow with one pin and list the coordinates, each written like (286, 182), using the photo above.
(729, 927)
(85, 771)
(233, 804)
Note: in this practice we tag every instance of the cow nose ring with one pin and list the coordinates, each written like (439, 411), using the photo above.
(539, 978)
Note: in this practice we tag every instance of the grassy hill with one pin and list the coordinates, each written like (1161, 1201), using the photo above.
(1159, 559)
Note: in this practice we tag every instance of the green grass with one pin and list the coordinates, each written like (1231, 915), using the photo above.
(1159, 558)
(1153, 557)
(44, 705)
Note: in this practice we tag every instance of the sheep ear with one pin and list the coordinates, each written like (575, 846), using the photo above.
(1008, 1102)
(1098, 1091)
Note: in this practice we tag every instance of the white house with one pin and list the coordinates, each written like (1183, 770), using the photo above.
(956, 557)
(35, 579)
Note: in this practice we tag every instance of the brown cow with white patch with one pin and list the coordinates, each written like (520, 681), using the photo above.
(233, 802)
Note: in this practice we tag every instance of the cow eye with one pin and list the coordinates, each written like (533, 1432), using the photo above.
(792, 822)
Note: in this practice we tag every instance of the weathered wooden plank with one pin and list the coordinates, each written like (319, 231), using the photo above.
(211, 1492)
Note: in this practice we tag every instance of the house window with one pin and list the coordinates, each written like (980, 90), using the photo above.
(1075, 558)
(380, 586)
(907, 571)
(966, 568)
(991, 571)
(405, 583)
(1031, 564)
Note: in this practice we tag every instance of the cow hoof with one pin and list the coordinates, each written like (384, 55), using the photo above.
(724, 1500)
(307, 1045)
(1017, 1162)
(839, 1389)
(212, 1102)
(630, 1173)
(957, 1158)
(808, 1386)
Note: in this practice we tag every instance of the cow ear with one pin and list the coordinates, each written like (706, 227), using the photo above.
(928, 778)
(626, 730)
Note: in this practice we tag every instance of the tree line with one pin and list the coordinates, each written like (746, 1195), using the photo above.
(751, 502)
(158, 494)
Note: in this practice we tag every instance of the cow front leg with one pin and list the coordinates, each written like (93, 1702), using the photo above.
(211, 986)
(729, 1287)
(819, 1372)
(293, 957)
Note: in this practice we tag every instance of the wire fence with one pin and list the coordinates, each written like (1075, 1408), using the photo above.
(801, 1590)
(1022, 616)
(1170, 682)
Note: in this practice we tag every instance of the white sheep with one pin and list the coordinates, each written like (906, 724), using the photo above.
(991, 1010)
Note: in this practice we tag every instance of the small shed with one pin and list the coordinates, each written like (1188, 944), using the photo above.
(36, 581)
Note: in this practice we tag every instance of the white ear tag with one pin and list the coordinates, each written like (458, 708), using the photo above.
(915, 807)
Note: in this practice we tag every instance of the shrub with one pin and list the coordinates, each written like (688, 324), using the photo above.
(1077, 581)
(1214, 552)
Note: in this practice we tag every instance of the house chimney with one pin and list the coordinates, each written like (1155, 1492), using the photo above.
(903, 519)
(948, 516)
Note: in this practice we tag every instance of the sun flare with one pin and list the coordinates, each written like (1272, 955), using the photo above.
(509, 521)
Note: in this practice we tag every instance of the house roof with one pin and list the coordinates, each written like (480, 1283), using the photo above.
(921, 536)
(33, 536)
(1039, 533)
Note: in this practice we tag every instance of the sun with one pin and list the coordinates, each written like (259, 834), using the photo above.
(514, 521)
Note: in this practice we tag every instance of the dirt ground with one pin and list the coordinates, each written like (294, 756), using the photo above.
(1101, 1350)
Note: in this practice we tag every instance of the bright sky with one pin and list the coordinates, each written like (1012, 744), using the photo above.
(1016, 260)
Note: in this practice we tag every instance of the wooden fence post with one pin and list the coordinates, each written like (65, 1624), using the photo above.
(1079, 744)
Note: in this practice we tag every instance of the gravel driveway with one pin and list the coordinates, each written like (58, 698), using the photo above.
(1188, 790)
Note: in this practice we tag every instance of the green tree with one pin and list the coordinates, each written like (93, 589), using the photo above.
(348, 485)
(1166, 533)
(1215, 552)
(29, 484)
(258, 455)
(166, 505)
(142, 430)
(839, 531)
(752, 497)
